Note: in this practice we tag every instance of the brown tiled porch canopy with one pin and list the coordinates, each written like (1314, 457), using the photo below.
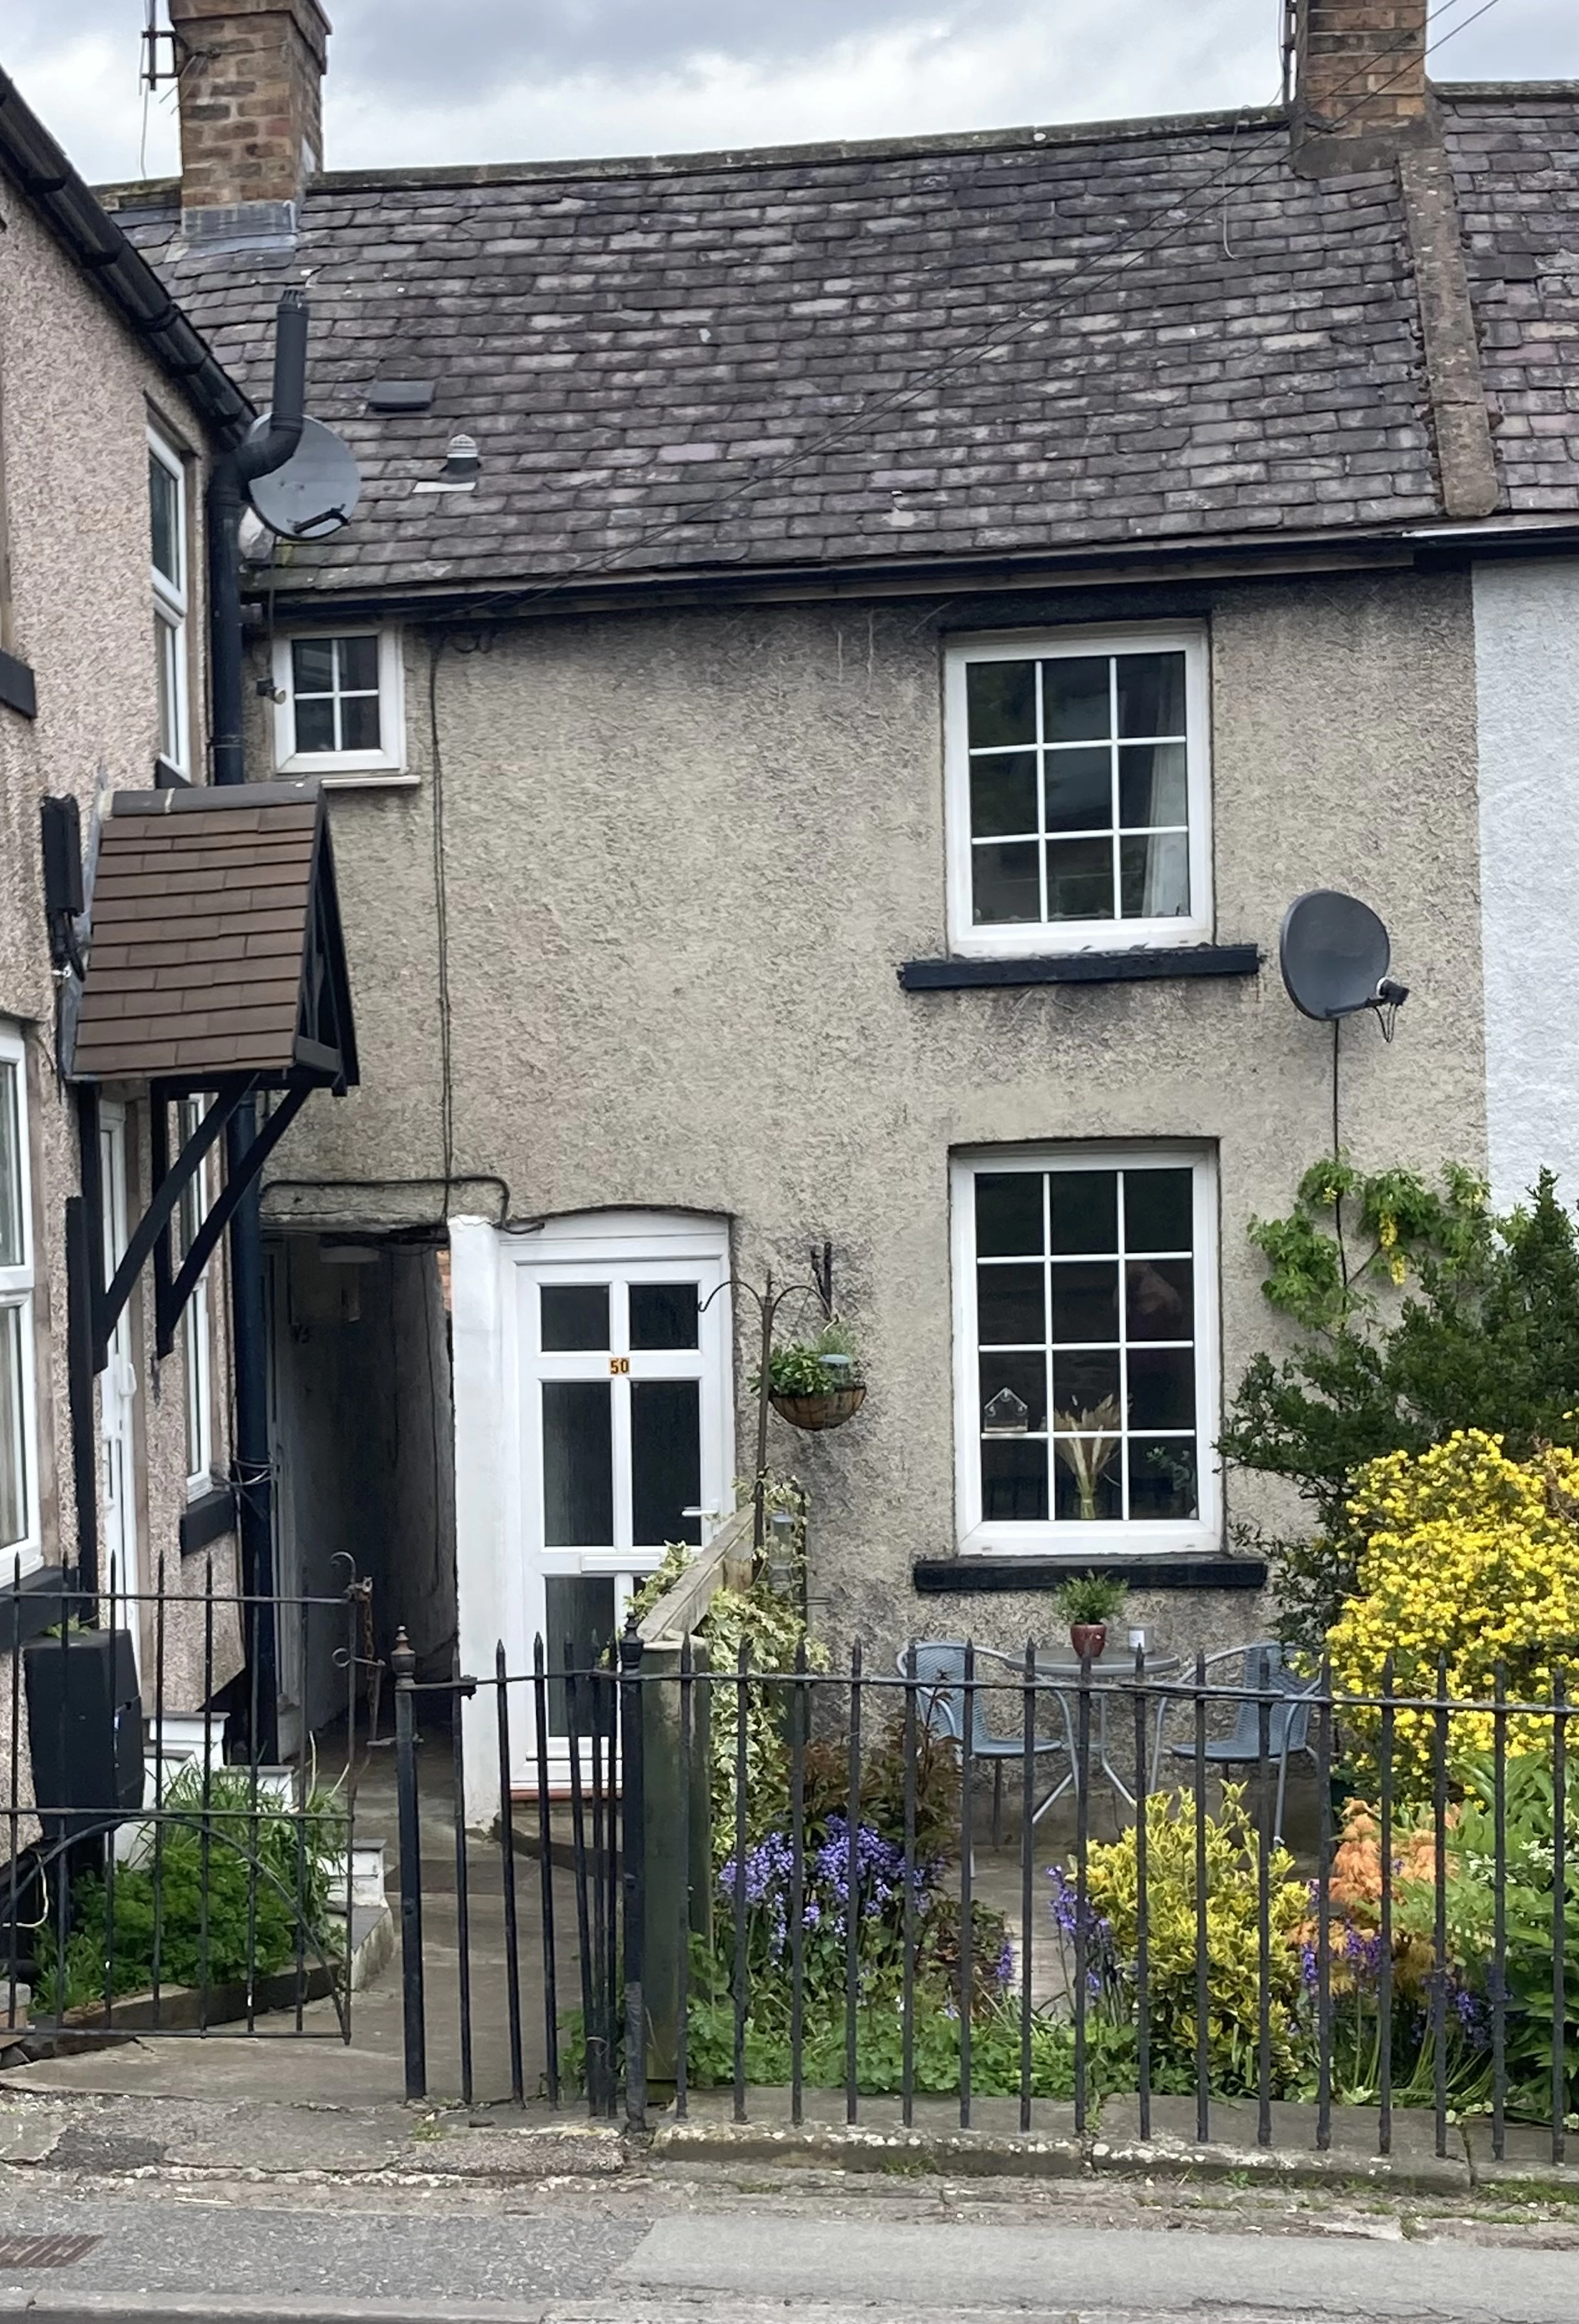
(216, 948)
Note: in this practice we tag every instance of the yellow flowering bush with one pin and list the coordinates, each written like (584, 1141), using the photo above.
(1233, 1942)
(1471, 1557)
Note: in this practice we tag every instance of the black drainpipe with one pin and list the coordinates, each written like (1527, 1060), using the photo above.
(259, 455)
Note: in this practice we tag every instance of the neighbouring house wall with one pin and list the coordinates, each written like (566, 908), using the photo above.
(1526, 685)
(77, 394)
(684, 854)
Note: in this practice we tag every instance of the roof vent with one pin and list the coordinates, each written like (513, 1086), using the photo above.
(401, 395)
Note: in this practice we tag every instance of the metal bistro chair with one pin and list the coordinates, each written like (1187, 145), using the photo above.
(940, 1676)
(1262, 1672)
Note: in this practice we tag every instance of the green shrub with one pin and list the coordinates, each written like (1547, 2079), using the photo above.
(1421, 1314)
(253, 1921)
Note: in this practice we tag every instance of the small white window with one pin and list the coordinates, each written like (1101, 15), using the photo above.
(166, 510)
(196, 1346)
(1086, 1338)
(19, 1504)
(339, 709)
(1078, 791)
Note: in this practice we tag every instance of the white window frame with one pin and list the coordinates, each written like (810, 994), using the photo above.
(17, 1289)
(1023, 939)
(196, 1344)
(171, 608)
(1081, 1543)
(346, 769)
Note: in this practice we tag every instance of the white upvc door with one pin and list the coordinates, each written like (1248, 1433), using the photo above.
(620, 1347)
(121, 1566)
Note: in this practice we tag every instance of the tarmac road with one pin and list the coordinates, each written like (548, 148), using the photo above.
(543, 2259)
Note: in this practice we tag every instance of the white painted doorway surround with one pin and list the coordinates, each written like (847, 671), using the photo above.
(594, 1423)
(122, 1564)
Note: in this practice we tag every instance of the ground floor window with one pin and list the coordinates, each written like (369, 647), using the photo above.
(1086, 1335)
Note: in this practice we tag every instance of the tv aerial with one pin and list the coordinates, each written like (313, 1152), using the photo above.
(1334, 953)
(315, 493)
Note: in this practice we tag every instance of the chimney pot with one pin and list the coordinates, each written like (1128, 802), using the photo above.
(251, 107)
(1360, 86)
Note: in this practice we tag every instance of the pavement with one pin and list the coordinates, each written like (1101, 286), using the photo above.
(125, 2205)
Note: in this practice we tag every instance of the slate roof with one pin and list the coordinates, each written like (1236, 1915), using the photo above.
(1516, 164)
(1191, 340)
(214, 928)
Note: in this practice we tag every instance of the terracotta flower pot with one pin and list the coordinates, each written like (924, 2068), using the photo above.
(1088, 1639)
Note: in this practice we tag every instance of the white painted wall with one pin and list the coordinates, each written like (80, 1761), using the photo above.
(1527, 694)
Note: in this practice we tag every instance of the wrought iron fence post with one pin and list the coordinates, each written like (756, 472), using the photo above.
(633, 1864)
(402, 1663)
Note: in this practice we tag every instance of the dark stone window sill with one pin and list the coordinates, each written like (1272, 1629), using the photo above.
(1135, 967)
(206, 1519)
(40, 1604)
(17, 690)
(979, 1576)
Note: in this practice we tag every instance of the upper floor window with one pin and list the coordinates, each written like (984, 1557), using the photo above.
(1086, 1289)
(19, 1514)
(1078, 791)
(167, 509)
(339, 703)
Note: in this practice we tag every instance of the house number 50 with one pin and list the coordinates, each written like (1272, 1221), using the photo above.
(619, 1365)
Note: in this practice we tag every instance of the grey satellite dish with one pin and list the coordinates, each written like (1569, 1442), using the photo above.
(1335, 954)
(317, 490)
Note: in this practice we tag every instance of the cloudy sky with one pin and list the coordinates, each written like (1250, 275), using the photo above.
(473, 80)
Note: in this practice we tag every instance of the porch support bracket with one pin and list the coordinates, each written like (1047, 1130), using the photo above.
(110, 1304)
(207, 1240)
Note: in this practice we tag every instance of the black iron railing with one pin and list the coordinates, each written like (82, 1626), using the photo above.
(157, 1878)
(1255, 1890)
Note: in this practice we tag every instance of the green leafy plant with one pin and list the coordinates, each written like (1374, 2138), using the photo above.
(1089, 1597)
(1419, 1313)
(1233, 1943)
(234, 1904)
(801, 1367)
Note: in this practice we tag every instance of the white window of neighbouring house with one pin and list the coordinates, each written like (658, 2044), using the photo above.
(1078, 791)
(196, 1346)
(338, 707)
(166, 510)
(19, 1508)
(1086, 1338)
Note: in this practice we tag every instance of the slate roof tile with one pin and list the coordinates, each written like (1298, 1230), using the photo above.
(1142, 329)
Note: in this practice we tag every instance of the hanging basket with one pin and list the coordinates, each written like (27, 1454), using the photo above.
(829, 1409)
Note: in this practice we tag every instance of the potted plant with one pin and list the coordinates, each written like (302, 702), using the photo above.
(816, 1383)
(1088, 1602)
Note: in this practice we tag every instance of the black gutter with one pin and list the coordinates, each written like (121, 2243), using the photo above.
(30, 158)
(1090, 566)
(259, 455)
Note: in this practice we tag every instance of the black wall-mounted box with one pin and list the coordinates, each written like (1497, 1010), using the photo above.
(85, 1730)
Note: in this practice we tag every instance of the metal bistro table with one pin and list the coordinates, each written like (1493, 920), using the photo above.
(1106, 1683)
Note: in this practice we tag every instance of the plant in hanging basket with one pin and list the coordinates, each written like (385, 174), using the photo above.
(1088, 1602)
(816, 1383)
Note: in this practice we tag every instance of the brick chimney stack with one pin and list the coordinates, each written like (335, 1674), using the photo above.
(1359, 87)
(251, 107)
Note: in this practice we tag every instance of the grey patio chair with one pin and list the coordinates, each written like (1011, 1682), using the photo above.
(1262, 1670)
(940, 1676)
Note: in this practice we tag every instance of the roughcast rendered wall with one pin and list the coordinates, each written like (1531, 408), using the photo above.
(684, 854)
